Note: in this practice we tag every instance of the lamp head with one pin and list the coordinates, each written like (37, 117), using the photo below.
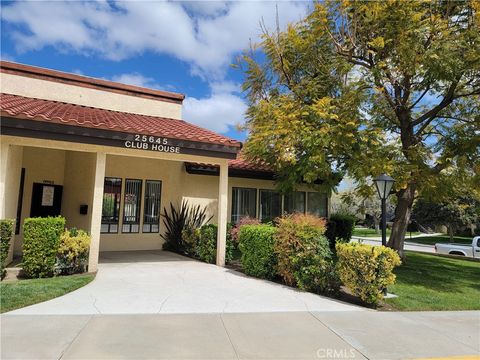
(384, 184)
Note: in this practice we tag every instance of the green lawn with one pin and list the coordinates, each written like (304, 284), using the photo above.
(432, 240)
(17, 294)
(428, 282)
(365, 232)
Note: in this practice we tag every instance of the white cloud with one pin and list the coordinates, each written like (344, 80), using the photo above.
(220, 111)
(204, 34)
(136, 79)
(6, 57)
(206, 8)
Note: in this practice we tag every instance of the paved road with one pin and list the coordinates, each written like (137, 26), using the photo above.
(290, 335)
(150, 282)
(412, 246)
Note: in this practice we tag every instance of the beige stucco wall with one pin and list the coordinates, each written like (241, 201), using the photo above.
(202, 190)
(50, 90)
(75, 171)
(169, 172)
(78, 188)
(40, 165)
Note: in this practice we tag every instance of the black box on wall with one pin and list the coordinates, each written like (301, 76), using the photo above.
(83, 209)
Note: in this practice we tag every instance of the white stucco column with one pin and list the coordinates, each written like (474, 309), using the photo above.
(222, 214)
(4, 152)
(96, 211)
(10, 173)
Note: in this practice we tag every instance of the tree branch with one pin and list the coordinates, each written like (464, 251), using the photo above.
(420, 97)
(433, 112)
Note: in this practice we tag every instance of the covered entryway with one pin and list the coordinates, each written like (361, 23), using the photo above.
(150, 282)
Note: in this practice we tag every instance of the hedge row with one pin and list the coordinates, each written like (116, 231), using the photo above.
(297, 252)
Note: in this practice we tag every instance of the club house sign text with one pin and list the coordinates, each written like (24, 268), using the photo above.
(153, 143)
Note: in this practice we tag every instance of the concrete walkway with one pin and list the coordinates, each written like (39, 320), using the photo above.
(290, 335)
(151, 282)
(158, 305)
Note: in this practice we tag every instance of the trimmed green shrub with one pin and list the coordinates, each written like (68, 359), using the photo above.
(366, 270)
(235, 231)
(340, 229)
(72, 256)
(41, 240)
(315, 273)
(206, 247)
(6, 233)
(257, 248)
(303, 254)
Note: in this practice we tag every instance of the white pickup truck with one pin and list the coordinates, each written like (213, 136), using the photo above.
(472, 250)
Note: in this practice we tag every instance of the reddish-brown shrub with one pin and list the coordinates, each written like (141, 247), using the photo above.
(299, 241)
(235, 231)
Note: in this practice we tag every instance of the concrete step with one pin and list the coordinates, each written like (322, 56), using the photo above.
(12, 273)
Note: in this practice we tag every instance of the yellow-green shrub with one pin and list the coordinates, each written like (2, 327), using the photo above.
(366, 270)
(72, 256)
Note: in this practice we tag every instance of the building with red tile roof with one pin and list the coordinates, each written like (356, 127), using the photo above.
(110, 157)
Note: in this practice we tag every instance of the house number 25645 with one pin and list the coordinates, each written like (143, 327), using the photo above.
(151, 139)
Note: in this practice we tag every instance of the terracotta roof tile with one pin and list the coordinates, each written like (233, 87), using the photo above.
(77, 115)
(240, 163)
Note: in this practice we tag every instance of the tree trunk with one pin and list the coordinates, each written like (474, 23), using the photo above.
(376, 225)
(450, 232)
(402, 218)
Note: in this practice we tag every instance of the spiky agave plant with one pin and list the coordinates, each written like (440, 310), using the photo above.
(187, 217)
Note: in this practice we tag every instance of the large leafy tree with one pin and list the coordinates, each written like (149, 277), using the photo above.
(362, 87)
(461, 212)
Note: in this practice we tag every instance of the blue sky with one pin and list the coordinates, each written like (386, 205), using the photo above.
(185, 47)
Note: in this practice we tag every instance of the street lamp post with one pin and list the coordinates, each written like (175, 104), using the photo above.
(384, 185)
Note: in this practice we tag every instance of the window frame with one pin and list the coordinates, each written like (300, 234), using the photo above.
(259, 211)
(138, 208)
(254, 206)
(119, 215)
(284, 211)
(150, 224)
(326, 203)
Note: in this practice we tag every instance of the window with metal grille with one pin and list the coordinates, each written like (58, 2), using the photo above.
(244, 203)
(317, 204)
(151, 212)
(131, 206)
(294, 202)
(112, 190)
